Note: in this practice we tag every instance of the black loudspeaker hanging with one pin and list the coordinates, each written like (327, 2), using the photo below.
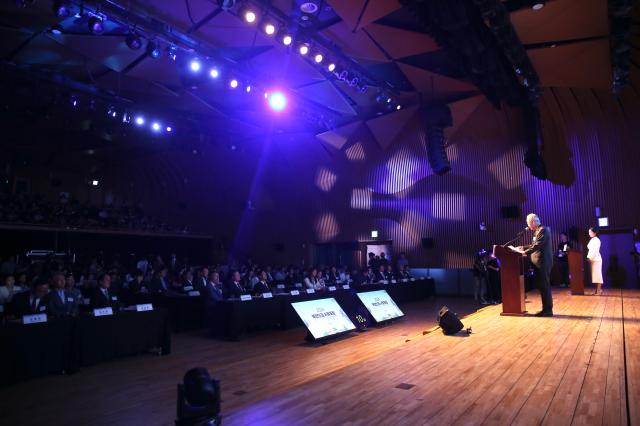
(436, 119)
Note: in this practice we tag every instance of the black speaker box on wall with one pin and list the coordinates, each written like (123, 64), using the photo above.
(510, 212)
(427, 243)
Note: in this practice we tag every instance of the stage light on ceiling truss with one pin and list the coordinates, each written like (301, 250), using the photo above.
(172, 52)
(169, 129)
(214, 73)
(233, 83)
(331, 67)
(269, 28)
(277, 101)
(153, 49)
(61, 9)
(318, 58)
(134, 41)
(195, 65)
(95, 24)
(303, 49)
(248, 88)
(56, 29)
(249, 16)
(538, 5)
(398, 107)
(139, 120)
(287, 40)
(155, 126)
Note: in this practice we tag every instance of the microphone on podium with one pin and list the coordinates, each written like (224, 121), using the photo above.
(526, 228)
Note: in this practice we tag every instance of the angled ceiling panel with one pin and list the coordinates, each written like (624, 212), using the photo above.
(110, 51)
(11, 40)
(163, 70)
(357, 44)
(376, 9)
(349, 11)
(387, 127)
(227, 30)
(400, 43)
(339, 137)
(435, 87)
(562, 20)
(326, 94)
(460, 111)
(279, 67)
(583, 65)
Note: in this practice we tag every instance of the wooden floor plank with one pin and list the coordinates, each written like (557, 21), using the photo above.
(631, 308)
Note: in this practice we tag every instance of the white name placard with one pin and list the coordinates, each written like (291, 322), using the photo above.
(299, 285)
(194, 293)
(346, 287)
(310, 291)
(384, 282)
(102, 312)
(280, 286)
(86, 301)
(393, 281)
(188, 288)
(412, 279)
(404, 280)
(332, 288)
(245, 297)
(295, 292)
(268, 295)
(34, 319)
(143, 307)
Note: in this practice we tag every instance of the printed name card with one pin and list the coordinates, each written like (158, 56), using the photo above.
(281, 286)
(295, 292)
(332, 288)
(188, 288)
(310, 291)
(412, 279)
(70, 299)
(101, 312)
(245, 297)
(346, 287)
(299, 285)
(34, 319)
(194, 293)
(143, 307)
(393, 281)
(268, 295)
(384, 282)
(404, 280)
(114, 298)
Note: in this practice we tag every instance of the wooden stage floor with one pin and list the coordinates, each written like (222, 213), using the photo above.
(580, 367)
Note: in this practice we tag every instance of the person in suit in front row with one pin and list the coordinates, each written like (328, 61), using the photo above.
(159, 283)
(262, 286)
(541, 254)
(61, 303)
(31, 302)
(235, 288)
(103, 296)
(212, 292)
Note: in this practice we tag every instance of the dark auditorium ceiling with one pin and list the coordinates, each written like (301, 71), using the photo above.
(378, 41)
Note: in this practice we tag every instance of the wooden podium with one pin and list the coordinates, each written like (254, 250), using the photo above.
(576, 272)
(511, 280)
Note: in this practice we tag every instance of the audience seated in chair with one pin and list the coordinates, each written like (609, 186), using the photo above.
(61, 302)
(103, 296)
(31, 302)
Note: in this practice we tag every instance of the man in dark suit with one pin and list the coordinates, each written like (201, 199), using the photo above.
(159, 283)
(31, 302)
(541, 254)
(103, 296)
(235, 288)
(262, 286)
(202, 278)
(62, 302)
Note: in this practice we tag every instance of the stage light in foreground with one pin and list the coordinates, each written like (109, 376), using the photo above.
(95, 25)
(169, 129)
(195, 65)
(214, 73)
(139, 120)
(156, 126)
(233, 83)
(277, 101)
(398, 107)
(331, 67)
(133, 41)
(287, 40)
(250, 16)
(57, 29)
(61, 9)
(270, 29)
(318, 58)
(304, 49)
(94, 183)
(248, 88)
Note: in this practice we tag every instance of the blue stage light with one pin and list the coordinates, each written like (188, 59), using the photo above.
(277, 101)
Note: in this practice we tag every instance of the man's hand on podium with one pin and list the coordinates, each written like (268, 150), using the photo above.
(517, 249)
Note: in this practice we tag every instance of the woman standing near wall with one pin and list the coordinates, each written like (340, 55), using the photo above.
(594, 258)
